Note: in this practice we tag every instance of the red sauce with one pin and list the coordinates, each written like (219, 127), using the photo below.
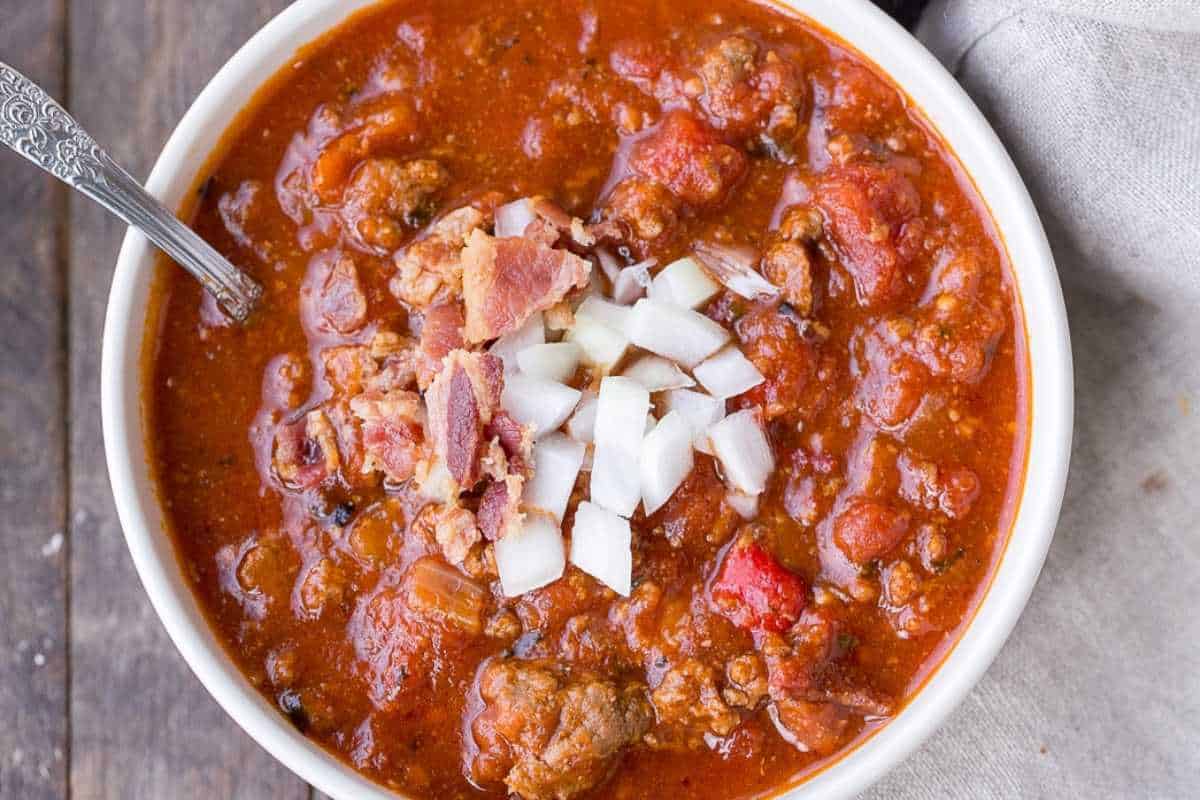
(749, 653)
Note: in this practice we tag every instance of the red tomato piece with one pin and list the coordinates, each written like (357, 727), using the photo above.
(755, 591)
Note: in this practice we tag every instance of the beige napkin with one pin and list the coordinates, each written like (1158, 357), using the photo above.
(1097, 693)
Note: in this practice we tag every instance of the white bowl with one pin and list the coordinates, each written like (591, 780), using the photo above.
(947, 107)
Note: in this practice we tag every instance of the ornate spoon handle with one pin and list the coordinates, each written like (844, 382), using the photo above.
(38, 128)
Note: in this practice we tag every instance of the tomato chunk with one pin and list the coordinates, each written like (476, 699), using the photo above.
(755, 592)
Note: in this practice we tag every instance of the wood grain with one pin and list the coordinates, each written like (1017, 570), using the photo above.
(33, 494)
(142, 725)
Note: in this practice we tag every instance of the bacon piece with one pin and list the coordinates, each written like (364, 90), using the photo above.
(305, 452)
(441, 332)
(455, 531)
(499, 508)
(430, 269)
(507, 280)
(348, 367)
(392, 432)
(460, 401)
(515, 439)
(688, 159)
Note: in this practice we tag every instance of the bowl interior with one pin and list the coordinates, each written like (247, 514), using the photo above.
(947, 108)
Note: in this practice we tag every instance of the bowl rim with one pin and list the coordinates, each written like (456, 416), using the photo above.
(949, 111)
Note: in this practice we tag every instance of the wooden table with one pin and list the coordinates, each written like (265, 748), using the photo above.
(94, 700)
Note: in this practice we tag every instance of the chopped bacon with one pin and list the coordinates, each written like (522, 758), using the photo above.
(340, 300)
(688, 159)
(349, 367)
(516, 440)
(460, 401)
(430, 269)
(305, 451)
(507, 280)
(455, 531)
(441, 332)
(499, 508)
(392, 432)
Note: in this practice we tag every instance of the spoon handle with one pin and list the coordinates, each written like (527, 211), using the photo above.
(34, 125)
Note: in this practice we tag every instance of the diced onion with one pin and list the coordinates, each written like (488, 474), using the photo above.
(658, 374)
(739, 443)
(728, 373)
(632, 282)
(531, 556)
(513, 218)
(746, 505)
(532, 332)
(684, 283)
(609, 313)
(734, 268)
(609, 264)
(600, 346)
(666, 460)
(582, 424)
(538, 402)
(554, 361)
(674, 332)
(556, 462)
(620, 424)
(699, 410)
(602, 546)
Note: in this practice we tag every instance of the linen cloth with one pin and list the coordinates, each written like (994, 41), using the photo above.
(1097, 693)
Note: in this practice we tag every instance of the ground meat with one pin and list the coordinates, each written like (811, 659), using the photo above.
(385, 196)
(774, 345)
(430, 269)
(244, 214)
(689, 707)
(391, 121)
(689, 160)
(787, 259)
(647, 207)
(749, 93)
(746, 679)
(547, 734)
(951, 490)
(955, 338)
(893, 383)
(867, 208)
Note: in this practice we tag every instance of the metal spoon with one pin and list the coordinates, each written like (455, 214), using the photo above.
(38, 128)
